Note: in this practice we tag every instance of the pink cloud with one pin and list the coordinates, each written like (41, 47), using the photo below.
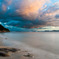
(30, 8)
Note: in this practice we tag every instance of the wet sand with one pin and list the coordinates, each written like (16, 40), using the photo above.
(38, 47)
(22, 54)
(14, 54)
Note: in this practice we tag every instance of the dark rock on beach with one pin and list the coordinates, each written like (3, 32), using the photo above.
(14, 50)
(28, 55)
(2, 29)
(5, 52)
(9, 49)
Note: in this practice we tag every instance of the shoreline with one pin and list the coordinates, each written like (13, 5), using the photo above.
(23, 53)
(25, 49)
(9, 52)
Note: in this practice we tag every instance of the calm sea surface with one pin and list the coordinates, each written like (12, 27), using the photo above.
(48, 41)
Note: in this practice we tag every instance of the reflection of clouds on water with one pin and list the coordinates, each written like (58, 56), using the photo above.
(47, 41)
(34, 39)
(42, 44)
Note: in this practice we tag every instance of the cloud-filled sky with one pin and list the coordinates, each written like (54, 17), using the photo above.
(31, 13)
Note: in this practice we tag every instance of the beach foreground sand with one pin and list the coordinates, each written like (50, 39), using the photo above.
(14, 53)
(7, 52)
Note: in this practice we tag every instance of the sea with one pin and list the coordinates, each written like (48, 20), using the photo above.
(43, 44)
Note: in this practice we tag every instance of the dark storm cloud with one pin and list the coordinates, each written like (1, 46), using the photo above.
(27, 23)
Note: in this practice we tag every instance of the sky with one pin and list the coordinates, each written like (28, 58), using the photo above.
(30, 13)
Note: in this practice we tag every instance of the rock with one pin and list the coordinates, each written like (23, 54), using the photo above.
(4, 54)
(2, 29)
(14, 50)
(29, 55)
(6, 38)
(9, 49)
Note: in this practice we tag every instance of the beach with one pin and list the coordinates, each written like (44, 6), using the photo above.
(39, 45)
(22, 53)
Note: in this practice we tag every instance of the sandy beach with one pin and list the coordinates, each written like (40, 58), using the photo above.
(14, 55)
(22, 53)
(38, 49)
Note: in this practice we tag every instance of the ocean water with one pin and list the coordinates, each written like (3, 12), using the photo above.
(48, 41)
(45, 45)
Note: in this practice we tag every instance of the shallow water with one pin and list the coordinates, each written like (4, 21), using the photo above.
(48, 41)
(45, 45)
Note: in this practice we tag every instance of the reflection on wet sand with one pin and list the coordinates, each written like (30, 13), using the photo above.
(42, 43)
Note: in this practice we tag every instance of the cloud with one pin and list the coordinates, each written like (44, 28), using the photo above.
(57, 16)
(52, 14)
(30, 8)
(57, 4)
(7, 2)
(26, 23)
(31, 13)
(4, 7)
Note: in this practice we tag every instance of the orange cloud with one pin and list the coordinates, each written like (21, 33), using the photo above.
(30, 8)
